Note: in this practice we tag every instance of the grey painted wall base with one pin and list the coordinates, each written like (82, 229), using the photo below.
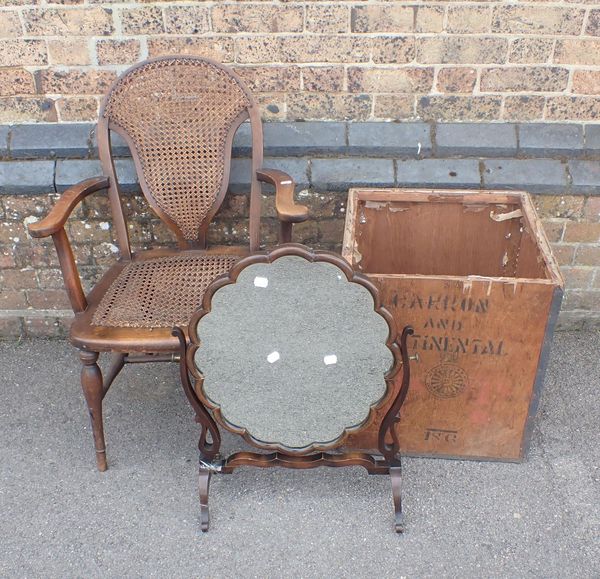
(541, 157)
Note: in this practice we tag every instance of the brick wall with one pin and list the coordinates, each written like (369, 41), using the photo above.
(491, 94)
(558, 163)
(352, 59)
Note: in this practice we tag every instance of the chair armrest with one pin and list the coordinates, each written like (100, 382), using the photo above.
(287, 210)
(56, 219)
(54, 224)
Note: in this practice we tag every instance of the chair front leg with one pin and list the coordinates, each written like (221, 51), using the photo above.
(93, 390)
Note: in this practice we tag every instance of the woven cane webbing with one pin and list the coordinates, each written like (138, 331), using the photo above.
(159, 293)
(178, 113)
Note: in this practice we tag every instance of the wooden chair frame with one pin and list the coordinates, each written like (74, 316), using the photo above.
(149, 344)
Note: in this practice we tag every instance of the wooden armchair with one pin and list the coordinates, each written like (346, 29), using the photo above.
(178, 116)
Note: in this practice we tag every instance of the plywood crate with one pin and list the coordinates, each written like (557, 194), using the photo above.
(474, 275)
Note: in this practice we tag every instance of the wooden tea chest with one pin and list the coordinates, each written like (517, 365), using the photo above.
(474, 275)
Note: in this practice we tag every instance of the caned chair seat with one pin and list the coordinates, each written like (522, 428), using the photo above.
(159, 293)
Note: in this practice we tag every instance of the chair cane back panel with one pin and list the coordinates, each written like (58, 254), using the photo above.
(178, 113)
(159, 293)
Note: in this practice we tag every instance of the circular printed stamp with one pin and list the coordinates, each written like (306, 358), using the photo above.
(446, 380)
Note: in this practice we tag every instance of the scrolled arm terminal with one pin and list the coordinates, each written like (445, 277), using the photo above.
(288, 212)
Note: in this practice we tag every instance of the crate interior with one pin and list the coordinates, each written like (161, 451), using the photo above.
(449, 237)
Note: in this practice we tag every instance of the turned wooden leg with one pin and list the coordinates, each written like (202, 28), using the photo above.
(396, 476)
(91, 382)
(203, 487)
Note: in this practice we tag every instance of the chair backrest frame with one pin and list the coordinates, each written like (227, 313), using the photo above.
(106, 127)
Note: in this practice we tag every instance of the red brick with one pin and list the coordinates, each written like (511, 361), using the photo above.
(36, 255)
(10, 25)
(19, 207)
(524, 108)
(327, 18)
(27, 109)
(563, 206)
(390, 80)
(220, 49)
(7, 259)
(50, 279)
(461, 50)
(429, 19)
(23, 53)
(118, 51)
(187, 19)
(77, 82)
(69, 51)
(11, 233)
(78, 108)
(592, 209)
(14, 81)
(270, 78)
(588, 254)
(463, 108)
(524, 78)
(49, 299)
(90, 231)
(456, 80)
(579, 51)
(257, 18)
(383, 18)
(331, 232)
(17, 279)
(397, 107)
(578, 277)
(10, 328)
(566, 108)
(41, 327)
(393, 49)
(298, 48)
(554, 230)
(531, 50)
(469, 19)
(12, 299)
(145, 20)
(92, 21)
(564, 254)
(323, 78)
(581, 300)
(537, 20)
(583, 232)
(305, 106)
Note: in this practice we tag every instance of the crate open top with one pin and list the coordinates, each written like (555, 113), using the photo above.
(448, 233)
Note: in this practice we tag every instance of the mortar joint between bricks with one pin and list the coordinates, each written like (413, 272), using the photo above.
(569, 178)
(9, 137)
(481, 166)
(433, 137)
(55, 166)
(90, 142)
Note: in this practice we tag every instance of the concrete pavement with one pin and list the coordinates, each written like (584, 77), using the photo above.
(61, 518)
